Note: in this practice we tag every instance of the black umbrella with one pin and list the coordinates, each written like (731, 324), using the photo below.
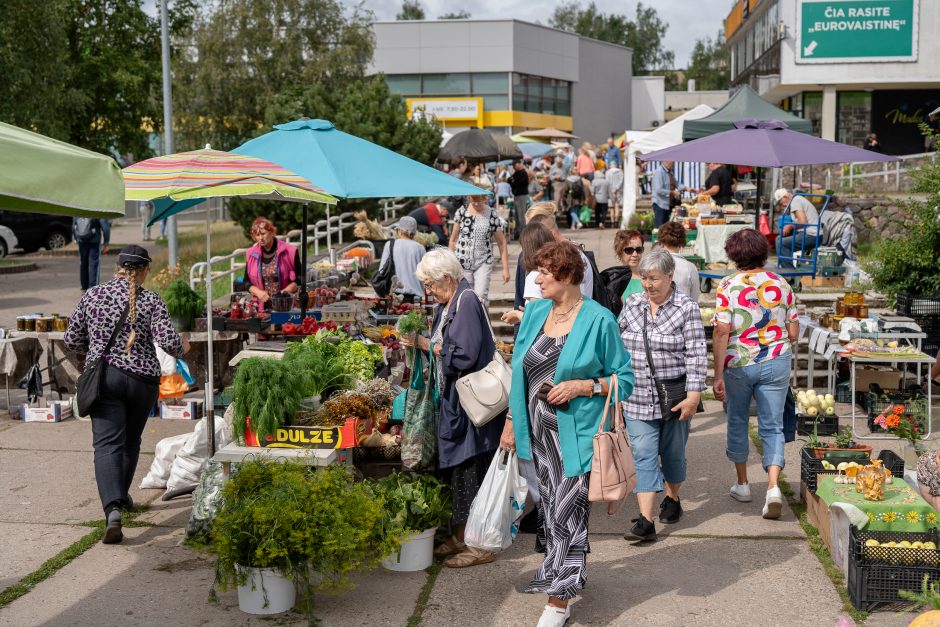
(478, 145)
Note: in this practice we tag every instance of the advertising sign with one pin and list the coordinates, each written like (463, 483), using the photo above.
(856, 31)
(448, 109)
(896, 115)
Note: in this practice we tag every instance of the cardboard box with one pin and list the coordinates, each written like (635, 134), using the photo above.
(347, 436)
(180, 409)
(56, 411)
(888, 378)
(823, 281)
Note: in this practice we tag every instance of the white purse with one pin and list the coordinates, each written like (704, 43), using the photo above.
(485, 394)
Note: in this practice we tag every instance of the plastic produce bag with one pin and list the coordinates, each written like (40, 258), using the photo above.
(164, 454)
(497, 508)
(206, 500)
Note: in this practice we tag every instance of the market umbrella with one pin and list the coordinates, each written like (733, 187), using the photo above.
(534, 149)
(478, 145)
(43, 175)
(549, 133)
(179, 181)
(768, 144)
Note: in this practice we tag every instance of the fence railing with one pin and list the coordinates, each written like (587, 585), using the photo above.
(853, 172)
(323, 231)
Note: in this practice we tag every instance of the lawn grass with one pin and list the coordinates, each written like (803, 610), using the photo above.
(415, 619)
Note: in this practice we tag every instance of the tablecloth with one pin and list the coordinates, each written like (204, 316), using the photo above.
(710, 243)
(901, 510)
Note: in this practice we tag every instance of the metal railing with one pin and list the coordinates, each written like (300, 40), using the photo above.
(327, 231)
(853, 172)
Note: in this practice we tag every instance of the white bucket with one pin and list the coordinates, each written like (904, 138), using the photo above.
(416, 553)
(264, 582)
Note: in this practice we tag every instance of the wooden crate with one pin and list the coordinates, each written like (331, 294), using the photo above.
(823, 281)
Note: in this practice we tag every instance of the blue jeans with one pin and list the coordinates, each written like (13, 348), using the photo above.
(658, 452)
(89, 256)
(785, 247)
(768, 382)
(575, 220)
(661, 216)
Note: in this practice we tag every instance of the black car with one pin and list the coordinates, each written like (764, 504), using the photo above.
(37, 230)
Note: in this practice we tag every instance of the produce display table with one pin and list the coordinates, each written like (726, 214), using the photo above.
(233, 453)
(855, 360)
(710, 244)
(902, 509)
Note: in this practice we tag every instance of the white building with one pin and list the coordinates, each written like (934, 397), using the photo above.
(850, 66)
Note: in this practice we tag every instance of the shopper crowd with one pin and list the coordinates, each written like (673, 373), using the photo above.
(569, 346)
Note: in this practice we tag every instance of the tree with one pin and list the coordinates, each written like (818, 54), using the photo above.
(709, 65)
(243, 53)
(410, 10)
(463, 14)
(644, 33)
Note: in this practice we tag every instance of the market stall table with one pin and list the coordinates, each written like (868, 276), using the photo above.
(233, 453)
(710, 244)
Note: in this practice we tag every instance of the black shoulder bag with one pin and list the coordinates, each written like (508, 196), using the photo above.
(88, 388)
(670, 392)
(382, 279)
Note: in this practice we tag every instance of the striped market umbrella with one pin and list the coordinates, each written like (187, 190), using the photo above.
(179, 181)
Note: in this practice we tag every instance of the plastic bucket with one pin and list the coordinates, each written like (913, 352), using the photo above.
(416, 553)
(265, 584)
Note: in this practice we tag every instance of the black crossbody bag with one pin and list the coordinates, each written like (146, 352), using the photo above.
(88, 388)
(670, 392)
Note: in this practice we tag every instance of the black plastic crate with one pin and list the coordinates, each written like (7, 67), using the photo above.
(893, 462)
(844, 393)
(878, 573)
(917, 306)
(824, 425)
(810, 467)
(876, 404)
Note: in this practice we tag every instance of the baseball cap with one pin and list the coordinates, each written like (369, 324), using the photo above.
(134, 256)
(780, 193)
(408, 224)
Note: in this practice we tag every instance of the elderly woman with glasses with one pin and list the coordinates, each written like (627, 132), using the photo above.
(272, 266)
(628, 246)
(662, 328)
(461, 342)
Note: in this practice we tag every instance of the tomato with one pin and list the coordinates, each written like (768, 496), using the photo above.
(289, 328)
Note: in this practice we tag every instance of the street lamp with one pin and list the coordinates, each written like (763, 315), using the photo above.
(172, 242)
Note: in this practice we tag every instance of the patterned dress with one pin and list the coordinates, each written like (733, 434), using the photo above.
(563, 530)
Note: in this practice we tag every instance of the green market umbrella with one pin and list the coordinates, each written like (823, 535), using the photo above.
(43, 175)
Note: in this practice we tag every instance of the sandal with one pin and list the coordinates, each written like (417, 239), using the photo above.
(450, 546)
(470, 557)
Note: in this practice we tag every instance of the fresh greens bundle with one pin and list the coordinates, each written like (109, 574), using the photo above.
(412, 322)
(182, 302)
(267, 390)
(317, 362)
(413, 502)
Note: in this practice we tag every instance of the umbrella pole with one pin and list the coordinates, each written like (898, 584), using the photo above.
(329, 238)
(302, 296)
(210, 346)
(757, 200)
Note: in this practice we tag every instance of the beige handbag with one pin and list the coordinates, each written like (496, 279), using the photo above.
(485, 394)
(613, 476)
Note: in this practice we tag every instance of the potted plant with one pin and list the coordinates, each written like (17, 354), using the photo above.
(183, 304)
(415, 506)
(281, 522)
(843, 447)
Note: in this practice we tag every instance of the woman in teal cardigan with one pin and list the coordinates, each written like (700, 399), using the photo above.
(572, 344)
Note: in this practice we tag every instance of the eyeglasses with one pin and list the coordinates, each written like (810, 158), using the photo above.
(629, 250)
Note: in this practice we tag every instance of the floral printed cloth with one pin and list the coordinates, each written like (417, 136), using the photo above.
(901, 510)
(758, 305)
(98, 311)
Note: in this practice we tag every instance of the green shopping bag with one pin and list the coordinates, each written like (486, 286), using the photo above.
(422, 406)
(585, 214)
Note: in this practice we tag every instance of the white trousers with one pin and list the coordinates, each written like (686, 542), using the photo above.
(479, 281)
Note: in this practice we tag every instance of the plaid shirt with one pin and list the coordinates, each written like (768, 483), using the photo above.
(677, 343)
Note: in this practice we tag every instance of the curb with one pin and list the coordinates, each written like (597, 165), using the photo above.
(18, 267)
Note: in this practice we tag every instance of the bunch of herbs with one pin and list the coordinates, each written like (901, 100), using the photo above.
(267, 390)
(182, 303)
(414, 502)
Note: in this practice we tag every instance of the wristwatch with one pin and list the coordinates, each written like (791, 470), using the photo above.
(597, 389)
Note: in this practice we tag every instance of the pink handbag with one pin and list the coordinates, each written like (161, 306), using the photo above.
(613, 476)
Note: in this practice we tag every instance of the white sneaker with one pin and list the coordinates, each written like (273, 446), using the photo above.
(774, 503)
(554, 616)
(741, 492)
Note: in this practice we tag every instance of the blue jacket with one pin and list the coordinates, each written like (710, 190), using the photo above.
(468, 347)
(593, 350)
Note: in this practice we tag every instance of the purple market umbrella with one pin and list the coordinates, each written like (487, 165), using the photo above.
(765, 143)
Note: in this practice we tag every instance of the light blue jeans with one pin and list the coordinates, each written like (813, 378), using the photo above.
(768, 383)
(658, 452)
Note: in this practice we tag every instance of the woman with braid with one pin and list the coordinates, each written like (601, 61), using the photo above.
(131, 378)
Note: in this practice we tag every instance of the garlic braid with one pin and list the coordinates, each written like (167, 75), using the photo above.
(131, 275)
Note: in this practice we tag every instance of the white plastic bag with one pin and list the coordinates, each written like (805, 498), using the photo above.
(497, 508)
(163, 456)
(191, 457)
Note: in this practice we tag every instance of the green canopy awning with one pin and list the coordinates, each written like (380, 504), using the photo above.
(43, 175)
(745, 104)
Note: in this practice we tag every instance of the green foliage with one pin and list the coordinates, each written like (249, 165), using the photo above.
(182, 302)
(296, 519)
(410, 10)
(909, 263)
(269, 391)
(644, 33)
(845, 438)
(318, 362)
(929, 596)
(412, 322)
(413, 502)
(710, 63)
(456, 15)
(642, 221)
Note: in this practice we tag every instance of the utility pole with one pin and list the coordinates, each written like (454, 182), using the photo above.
(173, 243)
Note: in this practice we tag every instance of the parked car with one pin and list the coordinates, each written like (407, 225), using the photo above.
(36, 230)
(7, 241)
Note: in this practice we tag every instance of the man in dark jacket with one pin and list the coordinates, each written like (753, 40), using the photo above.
(519, 182)
(88, 234)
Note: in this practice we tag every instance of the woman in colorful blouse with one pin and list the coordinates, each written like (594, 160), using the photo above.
(131, 377)
(755, 322)
(272, 266)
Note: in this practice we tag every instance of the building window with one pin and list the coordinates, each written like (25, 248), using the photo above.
(404, 84)
(496, 103)
(536, 94)
(853, 117)
(760, 38)
(485, 83)
(812, 109)
(446, 84)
